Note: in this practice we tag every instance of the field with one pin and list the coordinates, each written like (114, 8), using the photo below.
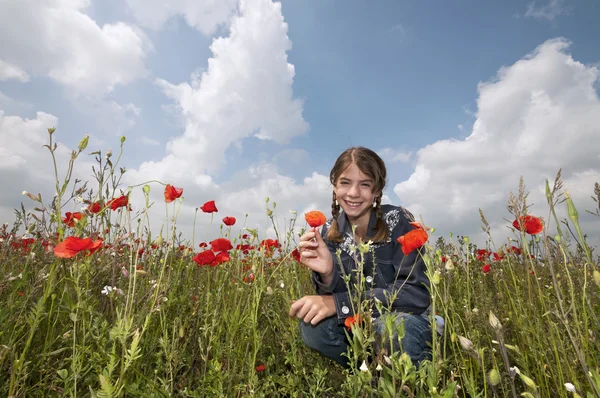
(115, 311)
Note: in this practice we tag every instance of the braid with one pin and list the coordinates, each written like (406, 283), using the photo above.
(334, 234)
(381, 230)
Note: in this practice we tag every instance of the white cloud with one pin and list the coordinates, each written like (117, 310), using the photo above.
(8, 72)
(549, 11)
(537, 116)
(204, 15)
(390, 155)
(55, 38)
(149, 141)
(245, 92)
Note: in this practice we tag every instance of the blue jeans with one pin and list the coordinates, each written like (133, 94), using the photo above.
(329, 338)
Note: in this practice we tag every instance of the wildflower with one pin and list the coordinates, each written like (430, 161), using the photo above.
(570, 387)
(413, 240)
(296, 254)
(351, 320)
(363, 367)
(486, 268)
(73, 245)
(108, 289)
(269, 291)
(229, 221)
(172, 193)
(483, 254)
(315, 218)
(221, 257)
(261, 368)
(596, 276)
(71, 218)
(497, 257)
(204, 258)
(532, 225)
(221, 244)
(209, 207)
(115, 203)
(378, 368)
(514, 249)
(449, 266)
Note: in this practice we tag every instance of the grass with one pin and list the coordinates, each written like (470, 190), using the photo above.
(140, 318)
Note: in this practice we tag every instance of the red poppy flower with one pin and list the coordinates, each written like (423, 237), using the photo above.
(204, 258)
(514, 249)
(115, 203)
(498, 257)
(412, 240)
(296, 254)
(351, 320)
(315, 218)
(486, 268)
(71, 218)
(172, 193)
(73, 245)
(221, 244)
(245, 236)
(221, 257)
(202, 244)
(209, 207)
(533, 225)
(261, 368)
(483, 254)
(229, 221)
(95, 208)
(269, 244)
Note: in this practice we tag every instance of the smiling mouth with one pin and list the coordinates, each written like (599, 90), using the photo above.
(353, 205)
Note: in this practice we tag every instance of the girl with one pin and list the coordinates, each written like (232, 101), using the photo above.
(398, 281)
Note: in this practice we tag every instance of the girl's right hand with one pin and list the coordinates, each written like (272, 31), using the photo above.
(315, 254)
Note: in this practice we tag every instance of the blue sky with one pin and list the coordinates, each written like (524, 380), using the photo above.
(408, 79)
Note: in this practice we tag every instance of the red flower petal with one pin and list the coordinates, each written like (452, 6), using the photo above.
(261, 368)
(229, 221)
(209, 207)
(532, 225)
(412, 240)
(315, 218)
(172, 193)
(221, 244)
(204, 258)
(486, 268)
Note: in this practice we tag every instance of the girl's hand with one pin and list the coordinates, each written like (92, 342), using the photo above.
(315, 254)
(313, 309)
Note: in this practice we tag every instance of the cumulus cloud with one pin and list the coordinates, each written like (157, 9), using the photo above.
(55, 38)
(549, 11)
(245, 92)
(205, 15)
(8, 72)
(391, 155)
(535, 117)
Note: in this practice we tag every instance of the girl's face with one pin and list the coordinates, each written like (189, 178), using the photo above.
(354, 193)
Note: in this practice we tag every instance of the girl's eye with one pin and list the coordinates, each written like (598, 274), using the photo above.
(344, 182)
(365, 185)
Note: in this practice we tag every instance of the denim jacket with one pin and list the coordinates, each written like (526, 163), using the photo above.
(391, 272)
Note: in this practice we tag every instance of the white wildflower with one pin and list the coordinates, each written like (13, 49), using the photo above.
(570, 387)
(363, 367)
(165, 299)
(378, 368)
(282, 285)
(107, 290)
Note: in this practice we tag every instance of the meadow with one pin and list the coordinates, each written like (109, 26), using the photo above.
(93, 304)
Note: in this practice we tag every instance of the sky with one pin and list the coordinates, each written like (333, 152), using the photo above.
(239, 100)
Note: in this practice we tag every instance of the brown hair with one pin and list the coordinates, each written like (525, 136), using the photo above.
(369, 163)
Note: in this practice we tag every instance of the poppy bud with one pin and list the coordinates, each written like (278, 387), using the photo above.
(528, 381)
(146, 189)
(465, 343)
(494, 322)
(123, 139)
(573, 214)
(494, 377)
(597, 277)
(83, 143)
(436, 278)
